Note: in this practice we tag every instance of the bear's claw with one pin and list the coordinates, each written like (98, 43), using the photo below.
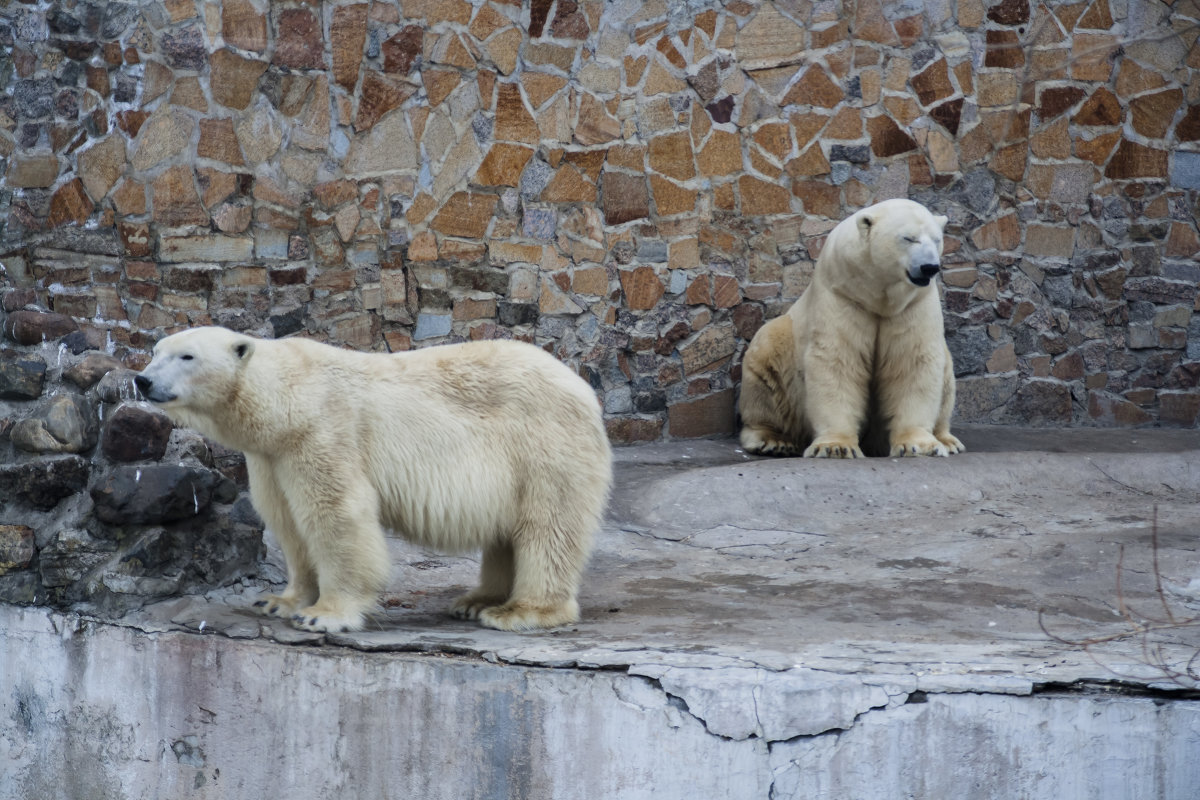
(833, 450)
(470, 606)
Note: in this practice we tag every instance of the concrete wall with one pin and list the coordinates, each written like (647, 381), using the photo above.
(100, 712)
(635, 185)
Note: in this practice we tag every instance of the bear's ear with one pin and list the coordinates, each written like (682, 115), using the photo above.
(941, 222)
(243, 349)
(865, 222)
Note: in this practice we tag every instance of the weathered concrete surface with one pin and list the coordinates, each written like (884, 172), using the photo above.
(752, 629)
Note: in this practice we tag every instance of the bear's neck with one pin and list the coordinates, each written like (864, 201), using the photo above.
(238, 426)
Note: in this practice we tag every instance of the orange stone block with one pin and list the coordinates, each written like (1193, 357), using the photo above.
(721, 155)
(1003, 233)
(514, 123)
(1153, 113)
(815, 88)
(503, 165)
(819, 198)
(670, 199)
(671, 155)
(774, 138)
(569, 186)
(726, 292)
(760, 198)
(465, 214)
(70, 204)
(641, 287)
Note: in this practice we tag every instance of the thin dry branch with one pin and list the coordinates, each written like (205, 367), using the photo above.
(1154, 653)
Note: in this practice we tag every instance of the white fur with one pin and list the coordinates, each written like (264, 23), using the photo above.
(862, 353)
(491, 446)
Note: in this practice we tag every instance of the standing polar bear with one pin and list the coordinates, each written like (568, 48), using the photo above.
(488, 445)
(861, 356)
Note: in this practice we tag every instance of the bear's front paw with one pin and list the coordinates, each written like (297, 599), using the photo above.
(953, 445)
(763, 443)
(834, 447)
(320, 620)
(918, 444)
(273, 605)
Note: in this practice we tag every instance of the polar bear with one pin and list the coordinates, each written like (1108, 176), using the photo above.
(491, 446)
(860, 360)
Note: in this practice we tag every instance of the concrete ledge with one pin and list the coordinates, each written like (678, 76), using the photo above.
(752, 629)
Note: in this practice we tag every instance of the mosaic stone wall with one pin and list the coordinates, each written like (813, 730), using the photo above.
(634, 185)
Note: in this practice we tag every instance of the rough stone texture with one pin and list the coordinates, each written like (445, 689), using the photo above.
(718, 139)
(152, 494)
(136, 432)
(63, 423)
(941, 679)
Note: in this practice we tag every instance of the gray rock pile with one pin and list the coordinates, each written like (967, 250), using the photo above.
(104, 504)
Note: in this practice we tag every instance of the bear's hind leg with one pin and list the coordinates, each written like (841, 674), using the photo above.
(495, 582)
(771, 424)
(548, 559)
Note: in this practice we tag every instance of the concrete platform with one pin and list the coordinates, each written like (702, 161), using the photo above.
(1015, 621)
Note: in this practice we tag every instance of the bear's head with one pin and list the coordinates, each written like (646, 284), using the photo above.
(903, 235)
(197, 371)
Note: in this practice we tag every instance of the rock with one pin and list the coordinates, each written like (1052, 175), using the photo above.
(17, 299)
(243, 25)
(624, 197)
(152, 494)
(234, 78)
(1042, 402)
(185, 48)
(402, 50)
(707, 416)
(16, 547)
(465, 214)
(43, 484)
(137, 432)
(642, 288)
(32, 171)
(70, 204)
(430, 326)
(63, 423)
(21, 377)
(164, 135)
(347, 34)
(91, 369)
(71, 555)
(33, 98)
(35, 327)
(299, 43)
(707, 350)
(386, 147)
(514, 314)
(117, 385)
(101, 166)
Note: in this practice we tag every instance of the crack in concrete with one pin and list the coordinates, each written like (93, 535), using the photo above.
(1101, 470)
(689, 539)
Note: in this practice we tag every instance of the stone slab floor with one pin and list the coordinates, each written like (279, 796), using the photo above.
(1015, 621)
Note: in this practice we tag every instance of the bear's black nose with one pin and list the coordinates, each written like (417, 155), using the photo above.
(143, 384)
(929, 270)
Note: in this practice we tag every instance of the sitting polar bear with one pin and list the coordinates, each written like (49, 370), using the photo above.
(862, 353)
(488, 445)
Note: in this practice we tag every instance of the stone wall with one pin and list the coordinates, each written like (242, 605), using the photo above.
(634, 185)
(103, 506)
